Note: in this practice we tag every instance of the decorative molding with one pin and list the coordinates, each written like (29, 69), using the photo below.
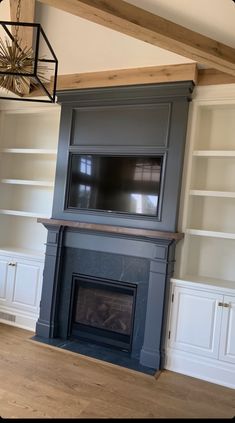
(204, 368)
(153, 29)
(214, 93)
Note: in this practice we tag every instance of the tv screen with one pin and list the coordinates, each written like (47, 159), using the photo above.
(124, 184)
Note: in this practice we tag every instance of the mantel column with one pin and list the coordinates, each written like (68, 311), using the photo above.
(46, 324)
(153, 352)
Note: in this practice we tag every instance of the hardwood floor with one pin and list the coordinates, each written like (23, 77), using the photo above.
(41, 381)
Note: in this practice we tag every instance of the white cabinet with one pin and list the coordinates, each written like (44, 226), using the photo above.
(20, 289)
(196, 320)
(4, 261)
(227, 344)
(201, 328)
(202, 322)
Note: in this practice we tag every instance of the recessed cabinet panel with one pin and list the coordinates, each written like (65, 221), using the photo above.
(122, 125)
(3, 278)
(227, 348)
(195, 322)
(26, 284)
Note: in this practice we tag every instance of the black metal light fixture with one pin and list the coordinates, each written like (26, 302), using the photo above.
(23, 68)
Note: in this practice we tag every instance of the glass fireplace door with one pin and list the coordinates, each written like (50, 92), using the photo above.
(103, 311)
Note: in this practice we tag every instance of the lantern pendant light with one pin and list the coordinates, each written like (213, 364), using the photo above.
(26, 68)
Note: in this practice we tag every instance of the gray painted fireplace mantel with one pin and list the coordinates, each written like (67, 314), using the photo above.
(139, 250)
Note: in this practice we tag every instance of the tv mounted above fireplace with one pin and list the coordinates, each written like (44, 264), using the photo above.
(122, 184)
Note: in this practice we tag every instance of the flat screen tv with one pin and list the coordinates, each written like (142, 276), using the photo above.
(122, 184)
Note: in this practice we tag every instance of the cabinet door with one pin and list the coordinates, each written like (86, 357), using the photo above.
(4, 268)
(195, 322)
(227, 340)
(27, 285)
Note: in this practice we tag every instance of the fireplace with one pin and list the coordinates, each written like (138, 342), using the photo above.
(111, 240)
(102, 311)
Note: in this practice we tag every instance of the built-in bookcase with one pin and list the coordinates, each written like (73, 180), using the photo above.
(28, 151)
(28, 147)
(208, 201)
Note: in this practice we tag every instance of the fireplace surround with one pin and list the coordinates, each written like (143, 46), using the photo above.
(106, 277)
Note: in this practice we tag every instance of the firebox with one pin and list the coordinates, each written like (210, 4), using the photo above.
(102, 311)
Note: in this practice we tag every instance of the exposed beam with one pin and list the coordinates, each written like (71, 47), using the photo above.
(153, 29)
(112, 78)
(214, 77)
(147, 75)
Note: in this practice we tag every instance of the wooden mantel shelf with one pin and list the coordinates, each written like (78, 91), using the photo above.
(177, 236)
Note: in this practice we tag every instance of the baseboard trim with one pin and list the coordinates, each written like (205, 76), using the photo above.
(210, 370)
(22, 320)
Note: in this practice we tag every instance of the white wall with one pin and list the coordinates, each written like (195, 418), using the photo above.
(82, 46)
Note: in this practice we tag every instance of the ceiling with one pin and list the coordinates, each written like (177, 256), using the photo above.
(213, 18)
(82, 46)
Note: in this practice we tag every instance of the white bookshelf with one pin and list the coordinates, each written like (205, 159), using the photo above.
(204, 193)
(49, 184)
(28, 151)
(28, 148)
(207, 207)
(214, 153)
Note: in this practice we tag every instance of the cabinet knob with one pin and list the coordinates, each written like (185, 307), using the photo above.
(12, 264)
(226, 305)
(220, 304)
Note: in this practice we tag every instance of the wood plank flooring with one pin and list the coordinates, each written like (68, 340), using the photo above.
(40, 381)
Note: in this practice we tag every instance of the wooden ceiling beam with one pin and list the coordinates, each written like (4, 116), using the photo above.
(153, 29)
(112, 78)
(145, 75)
(214, 77)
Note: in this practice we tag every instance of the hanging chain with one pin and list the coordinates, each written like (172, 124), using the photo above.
(18, 11)
(17, 18)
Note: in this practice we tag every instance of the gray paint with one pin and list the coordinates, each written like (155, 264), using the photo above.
(122, 125)
(165, 108)
(147, 262)
(46, 324)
